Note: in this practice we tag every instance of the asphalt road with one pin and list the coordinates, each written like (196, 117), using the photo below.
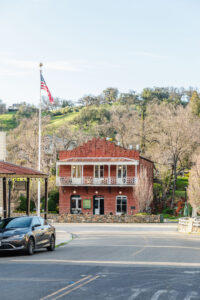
(108, 262)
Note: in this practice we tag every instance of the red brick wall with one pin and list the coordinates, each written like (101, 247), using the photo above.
(109, 194)
(99, 148)
(148, 165)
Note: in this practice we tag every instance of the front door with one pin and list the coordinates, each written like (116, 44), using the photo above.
(98, 205)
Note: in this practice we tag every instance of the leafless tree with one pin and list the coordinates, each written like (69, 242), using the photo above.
(143, 191)
(172, 136)
(194, 186)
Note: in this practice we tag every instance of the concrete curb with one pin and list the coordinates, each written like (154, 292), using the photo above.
(63, 237)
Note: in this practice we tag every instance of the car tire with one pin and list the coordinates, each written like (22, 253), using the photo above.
(52, 244)
(30, 246)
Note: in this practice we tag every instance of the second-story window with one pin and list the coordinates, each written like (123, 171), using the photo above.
(98, 171)
(76, 171)
(122, 171)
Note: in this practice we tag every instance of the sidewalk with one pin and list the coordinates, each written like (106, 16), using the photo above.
(62, 237)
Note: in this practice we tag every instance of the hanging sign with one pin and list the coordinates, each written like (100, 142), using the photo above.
(20, 185)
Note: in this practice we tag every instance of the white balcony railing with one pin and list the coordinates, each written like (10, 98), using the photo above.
(87, 181)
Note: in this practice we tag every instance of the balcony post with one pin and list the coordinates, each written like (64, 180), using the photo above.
(135, 173)
(108, 174)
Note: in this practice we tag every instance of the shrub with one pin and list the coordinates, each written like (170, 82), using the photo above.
(167, 210)
(22, 204)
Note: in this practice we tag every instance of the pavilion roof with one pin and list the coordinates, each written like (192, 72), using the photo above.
(11, 170)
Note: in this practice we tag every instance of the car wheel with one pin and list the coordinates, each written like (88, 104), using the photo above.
(31, 246)
(52, 244)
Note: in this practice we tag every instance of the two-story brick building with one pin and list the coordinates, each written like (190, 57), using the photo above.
(99, 178)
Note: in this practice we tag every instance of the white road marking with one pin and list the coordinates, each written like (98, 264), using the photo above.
(157, 294)
(136, 246)
(191, 272)
(105, 262)
(192, 295)
(136, 292)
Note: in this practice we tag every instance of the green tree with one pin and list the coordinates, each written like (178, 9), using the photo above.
(110, 95)
(194, 103)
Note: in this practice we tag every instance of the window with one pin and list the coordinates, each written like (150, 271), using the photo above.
(121, 204)
(98, 171)
(121, 172)
(75, 204)
(36, 221)
(76, 171)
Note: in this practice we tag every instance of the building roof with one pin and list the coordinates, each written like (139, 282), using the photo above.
(97, 160)
(12, 170)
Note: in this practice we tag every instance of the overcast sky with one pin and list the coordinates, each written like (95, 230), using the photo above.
(88, 45)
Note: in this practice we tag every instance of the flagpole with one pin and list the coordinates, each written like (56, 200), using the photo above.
(39, 143)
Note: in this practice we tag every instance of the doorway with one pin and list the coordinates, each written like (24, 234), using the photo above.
(98, 205)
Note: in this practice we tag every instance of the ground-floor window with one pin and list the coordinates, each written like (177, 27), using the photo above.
(75, 204)
(121, 204)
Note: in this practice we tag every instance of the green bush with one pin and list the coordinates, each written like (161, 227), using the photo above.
(167, 210)
(22, 204)
(53, 201)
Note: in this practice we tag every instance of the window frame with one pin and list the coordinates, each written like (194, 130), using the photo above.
(78, 171)
(98, 169)
(78, 209)
(121, 204)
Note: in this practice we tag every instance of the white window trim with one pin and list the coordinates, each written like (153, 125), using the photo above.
(122, 166)
(120, 213)
(99, 168)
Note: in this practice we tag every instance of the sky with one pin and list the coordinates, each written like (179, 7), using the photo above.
(89, 45)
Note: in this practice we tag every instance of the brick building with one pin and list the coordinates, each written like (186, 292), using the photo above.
(99, 177)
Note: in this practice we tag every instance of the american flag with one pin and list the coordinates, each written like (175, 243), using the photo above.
(45, 87)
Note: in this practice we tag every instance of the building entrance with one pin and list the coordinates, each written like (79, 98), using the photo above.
(98, 205)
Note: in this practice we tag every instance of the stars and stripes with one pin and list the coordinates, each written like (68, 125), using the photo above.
(43, 86)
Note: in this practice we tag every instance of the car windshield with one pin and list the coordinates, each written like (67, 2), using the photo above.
(15, 223)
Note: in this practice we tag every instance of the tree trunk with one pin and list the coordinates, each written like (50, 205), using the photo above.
(174, 183)
(194, 212)
(142, 142)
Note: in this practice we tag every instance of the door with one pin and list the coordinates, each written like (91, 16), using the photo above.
(38, 232)
(76, 174)
(98, 205)
(121, 174)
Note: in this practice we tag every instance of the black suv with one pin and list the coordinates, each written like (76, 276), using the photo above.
(26, 233)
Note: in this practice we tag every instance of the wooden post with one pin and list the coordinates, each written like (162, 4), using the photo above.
(9, 196)
(4, 198)
(28, 197)
(46, 199)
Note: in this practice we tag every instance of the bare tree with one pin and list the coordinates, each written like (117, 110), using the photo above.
(143, 191)
(172, 136)
(194, 186)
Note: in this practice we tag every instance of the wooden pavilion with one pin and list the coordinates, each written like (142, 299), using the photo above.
(10, 171)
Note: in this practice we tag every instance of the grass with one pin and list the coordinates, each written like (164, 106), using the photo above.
(58, 121)
(7, 121)
(181, 183)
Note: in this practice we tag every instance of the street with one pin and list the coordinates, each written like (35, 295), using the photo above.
(108, 261)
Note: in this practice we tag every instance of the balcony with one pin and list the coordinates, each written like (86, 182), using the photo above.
(91, 181)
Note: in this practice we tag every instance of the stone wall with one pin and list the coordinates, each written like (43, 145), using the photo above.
(87, 218)
(189, 225)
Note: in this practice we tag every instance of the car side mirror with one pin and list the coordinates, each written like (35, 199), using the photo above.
(35, 226)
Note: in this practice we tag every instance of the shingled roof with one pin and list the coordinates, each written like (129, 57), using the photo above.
(12, 170)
